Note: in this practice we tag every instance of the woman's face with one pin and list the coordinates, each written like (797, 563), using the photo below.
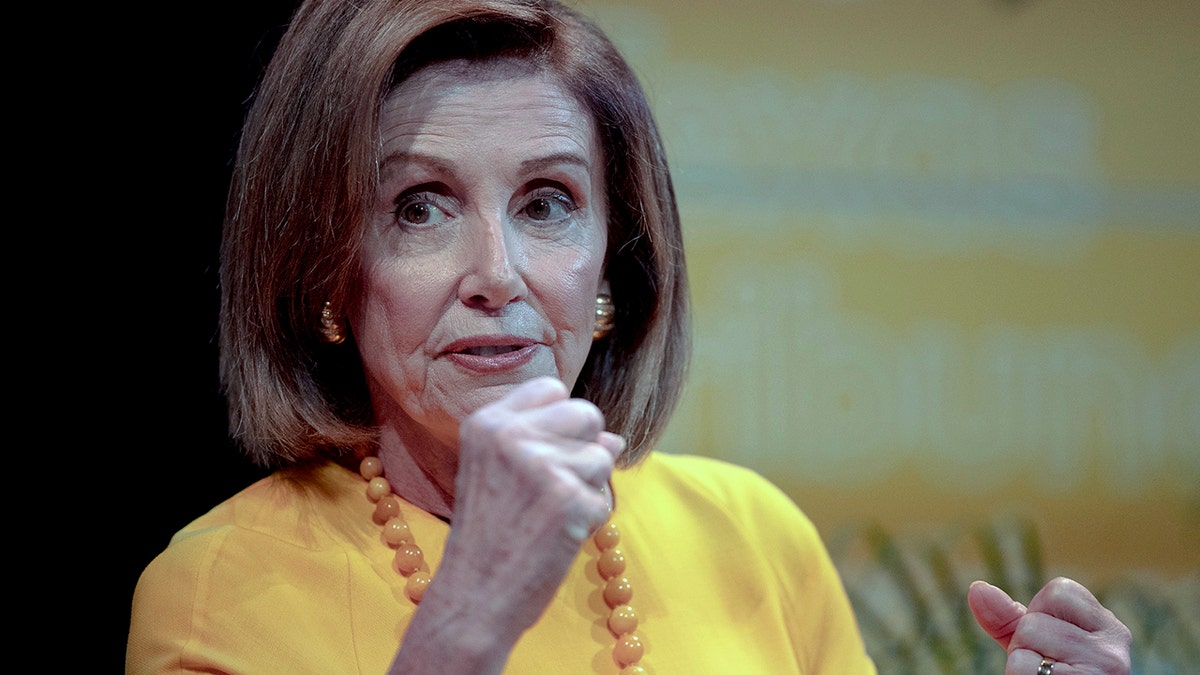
(484, 248)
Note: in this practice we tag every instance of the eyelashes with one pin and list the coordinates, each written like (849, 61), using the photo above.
(419, 211)
(549, 205)
(427, 205)
(424, 205)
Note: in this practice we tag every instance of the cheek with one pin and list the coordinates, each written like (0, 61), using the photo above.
(572, 284)
(392, 309)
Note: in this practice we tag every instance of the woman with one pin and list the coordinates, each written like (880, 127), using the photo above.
(454, 313)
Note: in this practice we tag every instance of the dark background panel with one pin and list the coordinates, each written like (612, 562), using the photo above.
(166, 88)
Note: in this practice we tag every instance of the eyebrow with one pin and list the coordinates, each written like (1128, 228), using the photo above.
(548, 161)
(416, 158)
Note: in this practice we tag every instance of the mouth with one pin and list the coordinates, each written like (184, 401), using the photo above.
(487, 345)
(488, 350)
(491, 354)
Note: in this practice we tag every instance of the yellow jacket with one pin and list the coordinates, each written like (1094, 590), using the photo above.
(290, 576)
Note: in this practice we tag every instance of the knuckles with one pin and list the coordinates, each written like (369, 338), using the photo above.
(1106, 649)
(1061, 589)
(549, 452)
(540, 442)
(1031, 630)
(585, 415)
(486, 421)
(574, 419)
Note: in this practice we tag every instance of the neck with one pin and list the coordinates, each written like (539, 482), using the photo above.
(420, 468)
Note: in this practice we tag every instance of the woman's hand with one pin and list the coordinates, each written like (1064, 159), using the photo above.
(1064, 623)
(529, 491)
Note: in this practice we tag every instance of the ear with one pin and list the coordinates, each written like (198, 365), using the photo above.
(604, 287)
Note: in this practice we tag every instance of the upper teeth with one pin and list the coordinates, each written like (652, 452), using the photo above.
(489, 351)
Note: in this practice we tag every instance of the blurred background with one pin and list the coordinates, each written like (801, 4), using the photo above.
(945, 260)
(945, 257)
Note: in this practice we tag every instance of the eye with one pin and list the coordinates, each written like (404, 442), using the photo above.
(419, 210)
(418, 213)
(549, 207)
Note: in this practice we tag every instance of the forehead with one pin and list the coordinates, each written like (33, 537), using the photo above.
(447, 102)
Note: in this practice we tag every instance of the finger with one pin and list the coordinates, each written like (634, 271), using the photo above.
(589, 463)
(1071, 602)
(1072, 627)
(590, 512)
(1052, 637)
(573, 418)
(995, 612)
(534, 393)
(499, 416)
(1028, 662)
(579, 499)
(612, 442)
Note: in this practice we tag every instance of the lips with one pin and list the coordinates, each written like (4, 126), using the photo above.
(489, 350)
(491, 353)
(487, 345)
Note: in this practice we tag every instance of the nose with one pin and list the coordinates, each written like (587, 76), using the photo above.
(493, 277)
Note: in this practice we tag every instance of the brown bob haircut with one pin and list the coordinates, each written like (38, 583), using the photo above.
(307, 169)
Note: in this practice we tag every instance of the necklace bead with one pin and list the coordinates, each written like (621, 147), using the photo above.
(628, 650)
(617, 591)
(622, 620)
(607, 536)
(611, 563)
(370, 468)
(416, 585)
(396, 531)
(386, 508)
(378, 488)
(409, 559)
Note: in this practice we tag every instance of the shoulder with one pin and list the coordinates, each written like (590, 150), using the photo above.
(730, 530)
(735, 489)
(275, 548)
(695, 494)
(297, 506)
(704, 473)
(304, 510)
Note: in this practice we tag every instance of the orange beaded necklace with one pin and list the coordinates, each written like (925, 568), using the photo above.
(409, 562)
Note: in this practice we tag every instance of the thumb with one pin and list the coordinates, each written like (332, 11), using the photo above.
(996, 613)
